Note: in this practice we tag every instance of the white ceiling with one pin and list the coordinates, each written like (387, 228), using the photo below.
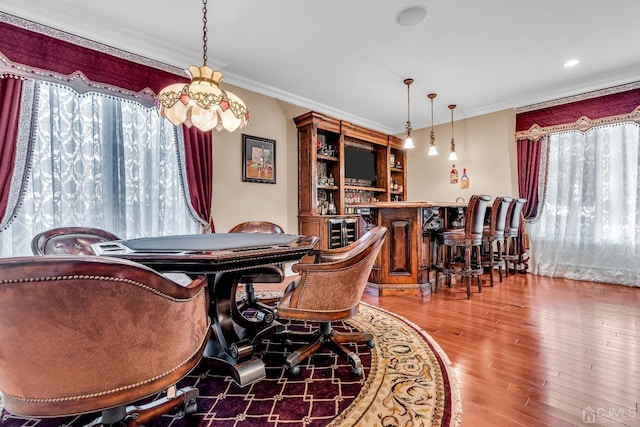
(348, 58)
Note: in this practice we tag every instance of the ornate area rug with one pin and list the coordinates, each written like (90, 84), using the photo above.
(407, 381)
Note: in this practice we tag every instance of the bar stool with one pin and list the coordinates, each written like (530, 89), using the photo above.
(493, 236)
(469, 238)
(513, 253)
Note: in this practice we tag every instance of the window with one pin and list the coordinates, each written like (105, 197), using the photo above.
(589, 227)
(103, 162)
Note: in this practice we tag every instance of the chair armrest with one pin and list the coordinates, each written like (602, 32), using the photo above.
(332, 264)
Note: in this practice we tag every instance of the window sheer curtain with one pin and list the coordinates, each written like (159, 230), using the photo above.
(589, 227)
(99, 161)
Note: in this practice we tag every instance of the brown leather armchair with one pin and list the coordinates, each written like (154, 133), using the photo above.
(261, 310)
(96, 334)
(327, 290)
(69, 240)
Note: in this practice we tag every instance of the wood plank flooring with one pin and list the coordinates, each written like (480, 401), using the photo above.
(536, 351)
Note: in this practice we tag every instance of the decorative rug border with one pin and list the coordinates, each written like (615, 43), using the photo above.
(449, 371)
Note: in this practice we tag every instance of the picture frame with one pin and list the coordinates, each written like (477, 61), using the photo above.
(258, 159)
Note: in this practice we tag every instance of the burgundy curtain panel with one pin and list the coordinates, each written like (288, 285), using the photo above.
(198, 150)
(528, 154)
(10, 90)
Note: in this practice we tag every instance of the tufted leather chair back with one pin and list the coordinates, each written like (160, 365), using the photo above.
(331, 288)
(81, 334)
(69, 241)
(257, 227)
(498, 220)
(513, 217)
(474, 221)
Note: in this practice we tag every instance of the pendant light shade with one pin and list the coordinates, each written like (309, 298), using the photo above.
(202, 103)
(452, 148)
(408, 141)
(433, 151)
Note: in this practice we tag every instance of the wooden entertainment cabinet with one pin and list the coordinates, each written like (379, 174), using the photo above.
(323, 184)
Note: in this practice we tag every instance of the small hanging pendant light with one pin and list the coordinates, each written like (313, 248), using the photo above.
(452, 149)
(408, 142)
(433, 151)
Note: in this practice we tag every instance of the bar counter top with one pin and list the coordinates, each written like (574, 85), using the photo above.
(401, 205)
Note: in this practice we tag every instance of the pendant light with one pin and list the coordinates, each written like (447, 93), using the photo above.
(452, 153)
(408, 142)
(433, 151)
(202, 103)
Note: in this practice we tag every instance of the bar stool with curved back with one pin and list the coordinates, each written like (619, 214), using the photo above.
(469, 239)
(328, 290)
(513, 254)
(69, 240)
(86, 334)
(263, 312)
(493, 237)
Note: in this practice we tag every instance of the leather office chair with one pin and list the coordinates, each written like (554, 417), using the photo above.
(266, 274)
(513, 235)
(69, 240)
(493, 237)
(327, 290)
(85, 334)
(469, 238)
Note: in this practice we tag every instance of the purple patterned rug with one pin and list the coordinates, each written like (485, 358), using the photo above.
(407, 380)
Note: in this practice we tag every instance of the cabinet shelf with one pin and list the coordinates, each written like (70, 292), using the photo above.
(327, 158)
(399, 170)
(327, 187)
(361, 188)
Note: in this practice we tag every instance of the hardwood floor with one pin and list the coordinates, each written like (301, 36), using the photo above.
(535, 351)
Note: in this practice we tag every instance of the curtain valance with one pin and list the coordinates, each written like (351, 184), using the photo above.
(613, 105)
(27, 48)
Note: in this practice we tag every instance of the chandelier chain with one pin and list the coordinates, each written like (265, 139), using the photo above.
(204, 32)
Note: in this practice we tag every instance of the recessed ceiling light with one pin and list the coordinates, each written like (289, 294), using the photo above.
(571, 63)
(411, 16)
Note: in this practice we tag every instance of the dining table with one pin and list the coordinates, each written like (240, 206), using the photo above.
(223, 258)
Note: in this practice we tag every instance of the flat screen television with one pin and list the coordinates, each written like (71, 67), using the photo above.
(359, 165)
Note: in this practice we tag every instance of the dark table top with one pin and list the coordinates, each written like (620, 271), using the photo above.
(209, 252)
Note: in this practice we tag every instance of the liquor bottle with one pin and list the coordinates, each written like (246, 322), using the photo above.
(464, 180)
(332, 207)
(331, 181)
(453, 176)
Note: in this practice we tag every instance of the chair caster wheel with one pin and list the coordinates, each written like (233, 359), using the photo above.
(191, 408)
(294, 370)
(356, 372)
(371, 344)
(269, 318)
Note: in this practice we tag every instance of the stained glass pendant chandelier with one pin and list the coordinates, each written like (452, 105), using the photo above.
(202, 103)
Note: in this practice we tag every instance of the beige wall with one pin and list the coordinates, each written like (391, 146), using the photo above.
(235, 201)
(484, 145)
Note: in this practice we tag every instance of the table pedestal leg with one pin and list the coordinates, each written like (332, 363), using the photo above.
(229, 348)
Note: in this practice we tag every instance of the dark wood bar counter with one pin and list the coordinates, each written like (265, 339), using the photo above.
(404, 263)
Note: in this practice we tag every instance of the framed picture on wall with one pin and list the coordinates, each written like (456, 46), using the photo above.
(258, 159)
